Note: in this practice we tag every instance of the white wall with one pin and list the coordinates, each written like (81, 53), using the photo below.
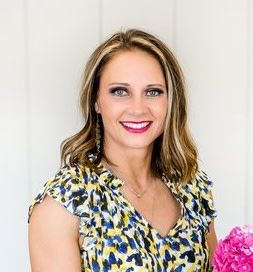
(211, 43)
(43, 49)
(249, 97)
(14, 177)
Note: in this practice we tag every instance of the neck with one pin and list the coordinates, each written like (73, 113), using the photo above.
(131, 165)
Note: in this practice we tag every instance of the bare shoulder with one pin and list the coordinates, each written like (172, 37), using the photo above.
(52, 213)
(53, 238)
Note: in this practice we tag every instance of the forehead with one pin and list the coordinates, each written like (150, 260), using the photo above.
(133, 64)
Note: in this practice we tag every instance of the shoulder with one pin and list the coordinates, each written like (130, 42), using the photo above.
(53, 234)
(198, 197)
(70, 186)
(200, 184)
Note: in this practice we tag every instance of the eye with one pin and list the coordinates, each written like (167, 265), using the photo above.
(154, 92)
(119, 91)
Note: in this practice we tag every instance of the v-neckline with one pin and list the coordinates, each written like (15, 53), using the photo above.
(141, 218)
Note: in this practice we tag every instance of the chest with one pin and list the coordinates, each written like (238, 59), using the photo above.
(118, 237)
(158, 207)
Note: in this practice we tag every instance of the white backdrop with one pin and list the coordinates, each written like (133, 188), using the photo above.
(43, 49)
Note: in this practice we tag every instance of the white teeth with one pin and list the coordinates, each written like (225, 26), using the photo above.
(135, 125)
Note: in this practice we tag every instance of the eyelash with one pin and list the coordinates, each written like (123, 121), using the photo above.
(158, 91)
(114, 91)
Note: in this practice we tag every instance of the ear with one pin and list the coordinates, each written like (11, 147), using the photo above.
(97, 107)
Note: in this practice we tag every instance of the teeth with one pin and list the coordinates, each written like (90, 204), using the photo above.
(135, 125)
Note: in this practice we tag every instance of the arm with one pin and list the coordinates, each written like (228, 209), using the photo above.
(53, 238)
(211, 240)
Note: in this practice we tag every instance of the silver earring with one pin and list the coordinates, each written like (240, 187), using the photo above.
(98, 136)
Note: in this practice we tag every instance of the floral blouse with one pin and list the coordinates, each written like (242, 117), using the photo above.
(118, 238)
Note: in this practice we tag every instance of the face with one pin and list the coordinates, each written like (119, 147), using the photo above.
(132, 100)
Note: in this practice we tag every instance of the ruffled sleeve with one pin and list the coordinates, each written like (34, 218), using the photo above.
(68, 187)
(207, 208)
(198, 200)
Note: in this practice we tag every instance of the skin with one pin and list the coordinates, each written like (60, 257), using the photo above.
(131, 73)
(52, 247)
(140, 96)
(211, 239)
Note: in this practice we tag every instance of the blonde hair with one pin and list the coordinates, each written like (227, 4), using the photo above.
(174, 152)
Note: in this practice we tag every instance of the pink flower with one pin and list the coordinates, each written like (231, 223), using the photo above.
(235, 252)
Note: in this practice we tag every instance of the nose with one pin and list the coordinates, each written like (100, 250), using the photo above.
(138, 105)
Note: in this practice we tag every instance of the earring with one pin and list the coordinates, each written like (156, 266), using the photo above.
(98, 136)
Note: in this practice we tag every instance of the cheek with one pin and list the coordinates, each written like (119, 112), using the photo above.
(161, 110)
(110, 111)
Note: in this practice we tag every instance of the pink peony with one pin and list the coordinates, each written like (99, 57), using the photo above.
(235, 252)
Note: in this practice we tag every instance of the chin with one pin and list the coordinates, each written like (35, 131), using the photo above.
(138, 145)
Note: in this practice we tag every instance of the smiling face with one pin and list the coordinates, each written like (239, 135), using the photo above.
(132, 100)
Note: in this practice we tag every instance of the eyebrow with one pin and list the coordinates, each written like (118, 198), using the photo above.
(127, 84)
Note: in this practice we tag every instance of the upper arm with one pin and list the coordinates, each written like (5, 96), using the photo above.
(53, 238)
(211, 239)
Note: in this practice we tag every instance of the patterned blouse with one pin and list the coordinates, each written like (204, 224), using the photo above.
(118, 238)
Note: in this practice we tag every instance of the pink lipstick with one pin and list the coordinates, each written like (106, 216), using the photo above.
(136, 127)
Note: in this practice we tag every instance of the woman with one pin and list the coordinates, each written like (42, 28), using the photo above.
(129, 195)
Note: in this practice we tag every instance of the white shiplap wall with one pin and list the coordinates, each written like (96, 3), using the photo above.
(211, 43)
(14, 179)
(250, 113)
(149, 15)
(61, 36)
(44, 47)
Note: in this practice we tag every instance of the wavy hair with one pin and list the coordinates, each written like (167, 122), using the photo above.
(174, 152)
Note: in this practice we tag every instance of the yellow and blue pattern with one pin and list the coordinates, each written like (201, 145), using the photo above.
(115, 237)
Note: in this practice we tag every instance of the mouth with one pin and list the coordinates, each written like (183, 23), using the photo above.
(136, 127)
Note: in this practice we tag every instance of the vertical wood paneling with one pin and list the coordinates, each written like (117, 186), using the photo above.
(211, 43)
(154, 16)
(61, 36)
(250, 108)
(13, 138)
(39, 93)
